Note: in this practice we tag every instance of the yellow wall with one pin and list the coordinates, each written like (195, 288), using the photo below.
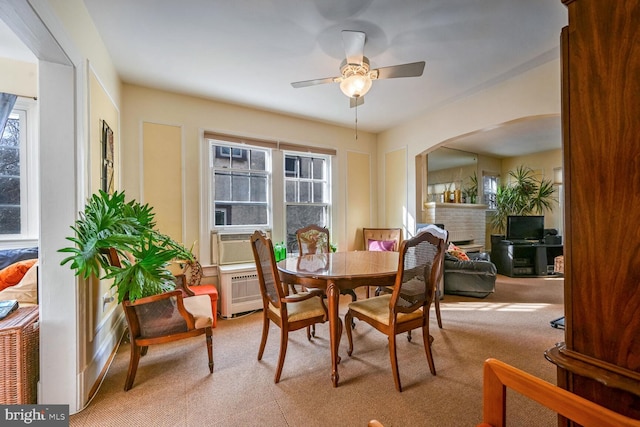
(359, 210)
(101, 316)
(162, 176)
(98, 325)
(544, 163)
(18, 77)
(196, 115)
(532, 93)
(101, 109)
(395, 189)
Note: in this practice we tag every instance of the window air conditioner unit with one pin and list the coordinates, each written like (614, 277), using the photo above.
(232, 248)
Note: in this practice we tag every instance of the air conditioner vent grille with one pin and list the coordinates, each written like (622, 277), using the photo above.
(234, 237)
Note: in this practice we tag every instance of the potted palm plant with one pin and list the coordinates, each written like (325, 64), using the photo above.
(108, 221)
(470, 192)
(525, 195)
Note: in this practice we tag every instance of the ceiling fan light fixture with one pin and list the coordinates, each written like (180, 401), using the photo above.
(355, 85)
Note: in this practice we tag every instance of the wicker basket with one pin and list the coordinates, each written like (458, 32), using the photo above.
(19, 352)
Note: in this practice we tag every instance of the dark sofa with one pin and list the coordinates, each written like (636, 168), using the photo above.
(10, 256)
(473, 278)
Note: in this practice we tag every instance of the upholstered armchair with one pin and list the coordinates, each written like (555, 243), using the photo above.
(473, 278)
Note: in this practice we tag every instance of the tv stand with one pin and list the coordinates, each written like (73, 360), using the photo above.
(524, 259)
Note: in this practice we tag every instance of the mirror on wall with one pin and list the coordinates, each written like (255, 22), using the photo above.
(448, 170)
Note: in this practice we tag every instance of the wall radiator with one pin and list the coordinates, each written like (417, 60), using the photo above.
(239, 287)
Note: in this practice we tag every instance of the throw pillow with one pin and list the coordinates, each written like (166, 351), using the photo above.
(11, 275)
(457, 252)
(381, 245)
(26, 291)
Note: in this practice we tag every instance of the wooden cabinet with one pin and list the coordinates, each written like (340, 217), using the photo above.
(600, 359)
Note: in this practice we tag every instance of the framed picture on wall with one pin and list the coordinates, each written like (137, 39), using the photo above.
(107, 179)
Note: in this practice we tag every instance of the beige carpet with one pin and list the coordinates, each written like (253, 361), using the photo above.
(173, 386)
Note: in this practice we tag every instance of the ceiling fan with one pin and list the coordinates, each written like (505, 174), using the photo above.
(356, 75)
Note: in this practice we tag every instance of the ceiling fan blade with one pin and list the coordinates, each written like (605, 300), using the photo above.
(353, 102)
(313, 82)
(353, 42)
(413, 69)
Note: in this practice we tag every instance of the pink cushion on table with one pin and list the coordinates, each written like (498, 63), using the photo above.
(381, 245)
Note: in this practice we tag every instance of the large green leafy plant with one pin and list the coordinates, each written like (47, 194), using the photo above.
(524, 195)
(108, 221)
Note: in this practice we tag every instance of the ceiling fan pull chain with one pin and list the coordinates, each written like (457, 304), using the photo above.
(356, 118)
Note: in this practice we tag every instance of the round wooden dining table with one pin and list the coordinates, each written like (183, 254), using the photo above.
(334, 272)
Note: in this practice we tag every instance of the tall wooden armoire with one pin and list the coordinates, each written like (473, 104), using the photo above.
(600, 358)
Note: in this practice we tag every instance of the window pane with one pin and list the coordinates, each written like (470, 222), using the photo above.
(9, 190)
(240, 158)
(318, 168)
(240, 214)
(290, 167)
(299, 216)
(305, 192)
(11, 134)
(222, 157)
(305, 183)
(258, 160)
(240, 186)
(9, 161)
(258, 188)
(240, 198)
(10, 209)
(305, 167)
(9, 219)
(222, 186)
(291, 191)
(318, 192)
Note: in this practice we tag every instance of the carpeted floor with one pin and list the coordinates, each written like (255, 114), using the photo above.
(173, 386)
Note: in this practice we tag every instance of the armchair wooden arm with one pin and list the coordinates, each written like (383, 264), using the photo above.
(498, 376)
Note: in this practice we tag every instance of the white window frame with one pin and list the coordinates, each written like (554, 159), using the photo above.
(494, 177)
(213, 147)
(27, 112)
(326, 182)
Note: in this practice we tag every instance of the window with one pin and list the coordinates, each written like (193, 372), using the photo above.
(19, 174)
(307, 201)
(489, 190)
(241, 181)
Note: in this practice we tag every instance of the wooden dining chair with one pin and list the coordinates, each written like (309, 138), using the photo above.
(407, 308)
(314, 239)
(289, 312)
(439, 231)
(163, 318)
(381, 239)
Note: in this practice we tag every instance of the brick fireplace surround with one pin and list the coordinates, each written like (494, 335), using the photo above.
(466, 223)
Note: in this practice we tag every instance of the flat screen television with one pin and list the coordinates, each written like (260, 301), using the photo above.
(530, 227)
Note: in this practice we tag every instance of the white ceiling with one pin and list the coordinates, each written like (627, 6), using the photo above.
(248, 52)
